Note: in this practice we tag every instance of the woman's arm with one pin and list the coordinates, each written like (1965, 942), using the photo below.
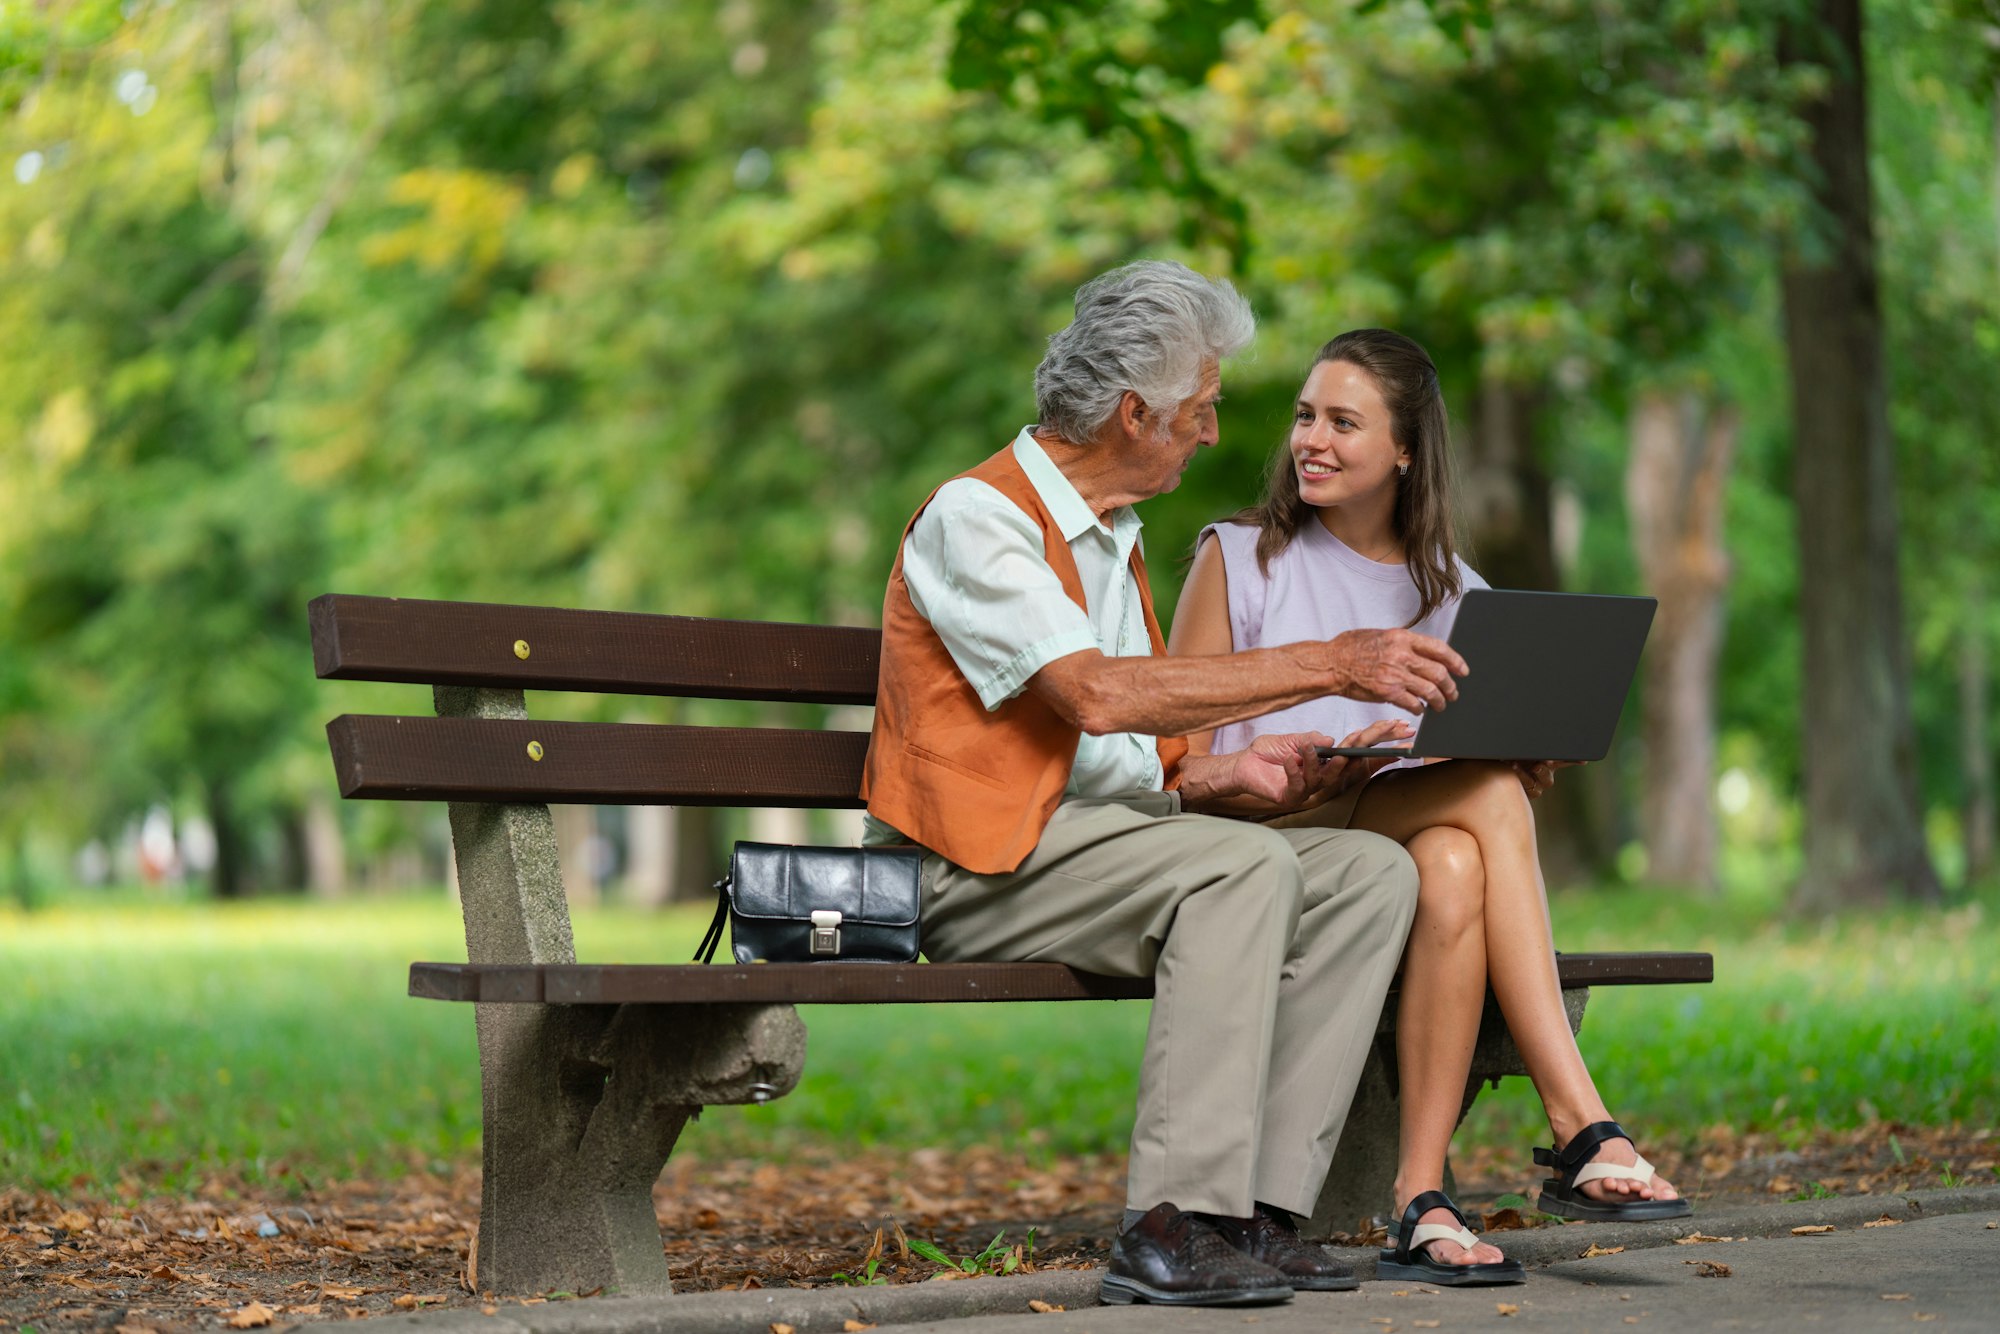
(1201, 620)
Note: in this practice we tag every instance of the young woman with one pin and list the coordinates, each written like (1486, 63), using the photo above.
(1355, 532)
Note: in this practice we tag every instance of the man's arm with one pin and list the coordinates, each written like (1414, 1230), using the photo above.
(1175, 696)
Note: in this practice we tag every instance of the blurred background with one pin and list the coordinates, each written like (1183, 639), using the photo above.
(684, 307)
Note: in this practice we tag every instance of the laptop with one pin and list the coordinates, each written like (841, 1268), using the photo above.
(1550, 672)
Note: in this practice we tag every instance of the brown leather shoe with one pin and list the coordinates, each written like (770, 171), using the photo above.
(1273, 1239)
(1176, 1259)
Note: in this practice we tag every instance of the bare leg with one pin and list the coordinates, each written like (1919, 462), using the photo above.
(1437, 1018)
(1487, 801)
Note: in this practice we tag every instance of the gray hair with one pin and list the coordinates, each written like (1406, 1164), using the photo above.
(1148, 327)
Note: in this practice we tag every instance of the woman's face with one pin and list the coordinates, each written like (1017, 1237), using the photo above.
(1341, 445)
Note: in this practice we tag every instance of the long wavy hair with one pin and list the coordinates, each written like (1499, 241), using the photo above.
(1422, 520)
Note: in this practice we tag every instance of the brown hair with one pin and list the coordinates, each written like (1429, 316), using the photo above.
(1422, 520)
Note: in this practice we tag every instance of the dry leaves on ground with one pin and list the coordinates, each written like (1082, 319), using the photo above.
(1709, 1268)
(1813, 1230)
(1596, 1250)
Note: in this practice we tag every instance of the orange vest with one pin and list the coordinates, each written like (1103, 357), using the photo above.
(974, 786)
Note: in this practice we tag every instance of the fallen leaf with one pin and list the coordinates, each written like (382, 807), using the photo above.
(1427, 1324)
(1699, 1239)
(779, 1327)
(1884, 1221)
(1502, 1220)
(1040, 1307)
(341, 1292)
(312, 1309)
(489, 1310)
(1596, 1250)
(1708, 1269)
(1631, 1320)
(854, 1326)
(74, 1220)
(1812, 1230)
(1508, 1308)
(708, 1220)
(167, 1274)
(1895, 1296)
(750, 1281)
(410, 1301)
(254, 1316)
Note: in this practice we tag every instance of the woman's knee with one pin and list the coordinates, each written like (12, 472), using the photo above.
(1452, 879)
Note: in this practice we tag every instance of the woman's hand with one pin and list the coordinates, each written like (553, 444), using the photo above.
(1538, 776)
(1358, 769)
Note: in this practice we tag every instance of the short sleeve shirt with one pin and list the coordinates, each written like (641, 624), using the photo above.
(976, 571)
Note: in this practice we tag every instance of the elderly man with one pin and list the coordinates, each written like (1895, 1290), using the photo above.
(1027, 733)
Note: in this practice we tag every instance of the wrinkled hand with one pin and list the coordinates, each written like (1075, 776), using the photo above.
(1538, 776)
(1281, 768)
(1411, 671)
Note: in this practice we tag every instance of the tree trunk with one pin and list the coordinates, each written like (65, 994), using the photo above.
(226, 876)
(1973, 730)
(698, 858)
(649, 862)
(1681, 450)
(1863, 833)
(1973, 685)
(326, 848)
(576, 833)
(1508, 518)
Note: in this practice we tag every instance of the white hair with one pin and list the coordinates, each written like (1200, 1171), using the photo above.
(1149, 327)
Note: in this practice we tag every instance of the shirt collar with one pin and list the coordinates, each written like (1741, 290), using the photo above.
(1067, 507)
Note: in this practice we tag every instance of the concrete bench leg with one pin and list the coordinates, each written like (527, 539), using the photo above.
(583, 1103)
(1361, 1183)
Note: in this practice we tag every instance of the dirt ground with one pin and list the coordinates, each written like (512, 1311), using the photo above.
(229, 1256)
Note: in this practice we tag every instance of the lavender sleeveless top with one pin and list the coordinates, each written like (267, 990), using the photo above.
(1317, 587)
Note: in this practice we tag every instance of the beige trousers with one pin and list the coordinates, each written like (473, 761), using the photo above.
(1271, 951)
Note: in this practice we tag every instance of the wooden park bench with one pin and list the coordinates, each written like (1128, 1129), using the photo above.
(590, 1071)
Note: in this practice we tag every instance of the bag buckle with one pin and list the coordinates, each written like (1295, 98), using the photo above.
(825, 931)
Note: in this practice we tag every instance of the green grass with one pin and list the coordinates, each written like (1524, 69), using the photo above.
(167, 1043)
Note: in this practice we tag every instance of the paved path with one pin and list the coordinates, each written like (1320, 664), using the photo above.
(1937, 1273)
(1937, 1268)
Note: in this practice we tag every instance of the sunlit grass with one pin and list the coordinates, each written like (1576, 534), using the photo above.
(166, 1043)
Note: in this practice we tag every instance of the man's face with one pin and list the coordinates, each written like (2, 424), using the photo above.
(1163, 454)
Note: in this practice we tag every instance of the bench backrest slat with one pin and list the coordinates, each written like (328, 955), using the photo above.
(624, 653)
(486, 759)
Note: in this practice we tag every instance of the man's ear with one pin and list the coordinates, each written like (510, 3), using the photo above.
(1134, 418)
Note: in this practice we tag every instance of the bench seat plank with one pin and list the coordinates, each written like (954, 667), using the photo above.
(608, 652)
(878, 984)
(636, 764)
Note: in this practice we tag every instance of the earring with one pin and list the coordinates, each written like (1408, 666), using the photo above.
(1402, 470)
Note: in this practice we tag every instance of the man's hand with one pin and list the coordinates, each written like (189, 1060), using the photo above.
(1282, 769)
(1280, 773)
(1411, 671)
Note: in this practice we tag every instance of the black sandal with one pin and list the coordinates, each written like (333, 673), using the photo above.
(1574, 1168)
(1406, 1261)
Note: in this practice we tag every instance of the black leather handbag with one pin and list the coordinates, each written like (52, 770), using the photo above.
(808, 905)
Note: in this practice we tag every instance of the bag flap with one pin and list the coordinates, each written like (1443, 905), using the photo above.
(872, 886)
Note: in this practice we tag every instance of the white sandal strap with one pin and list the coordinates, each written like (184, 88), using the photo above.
(1427, 1233)
(1641, 1172)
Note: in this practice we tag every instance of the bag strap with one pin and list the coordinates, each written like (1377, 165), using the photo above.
(705, 952)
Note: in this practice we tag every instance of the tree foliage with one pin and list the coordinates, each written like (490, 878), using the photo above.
(684, 308)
